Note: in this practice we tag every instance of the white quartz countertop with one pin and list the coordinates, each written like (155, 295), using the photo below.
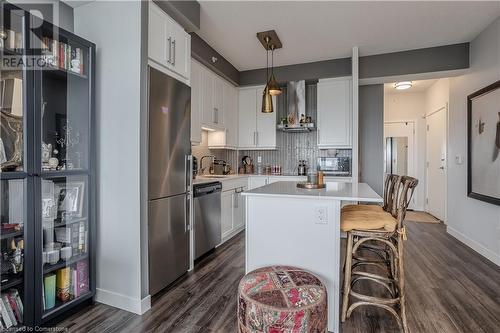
(334, 190)
(211, 179)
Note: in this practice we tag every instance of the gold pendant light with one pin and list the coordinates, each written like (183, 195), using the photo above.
(267, 99)
(274, 87)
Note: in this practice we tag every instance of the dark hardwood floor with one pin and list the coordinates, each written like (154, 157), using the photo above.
(450, 288)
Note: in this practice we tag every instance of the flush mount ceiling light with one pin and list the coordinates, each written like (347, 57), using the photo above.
(403, 85)
(270, 41)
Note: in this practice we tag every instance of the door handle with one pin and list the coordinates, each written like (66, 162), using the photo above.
(257, 141)
(169, 40)
(254, 139)
(216, 115)
(188, 167)
(173, 45)
(442, 168)
(187, 224)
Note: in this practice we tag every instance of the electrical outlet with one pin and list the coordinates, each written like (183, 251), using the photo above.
(259, 159)
(321, 215)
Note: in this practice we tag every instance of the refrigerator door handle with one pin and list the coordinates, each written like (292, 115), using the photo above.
(189, 171)
(188, 213)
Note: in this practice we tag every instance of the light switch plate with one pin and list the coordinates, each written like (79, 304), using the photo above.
(459, 159)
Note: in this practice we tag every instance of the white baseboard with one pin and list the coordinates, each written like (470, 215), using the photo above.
(123, 302)
(488, 254)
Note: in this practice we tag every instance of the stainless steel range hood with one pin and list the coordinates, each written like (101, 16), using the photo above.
(296, 103)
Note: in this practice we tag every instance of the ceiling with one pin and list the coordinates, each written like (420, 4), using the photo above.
(320, 30)
(417, 87)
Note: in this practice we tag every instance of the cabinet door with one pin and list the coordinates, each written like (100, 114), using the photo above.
(231, 115)
(218, 108)
(157, 35)
(247, 120)
(266, 123)
(257, 182)
(226, 213)
(334, 113)
(196, 90)
(207, 97)
(180, 50)
(238, 209)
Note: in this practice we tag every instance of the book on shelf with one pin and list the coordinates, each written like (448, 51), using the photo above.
(63, 55)
(12, 310)
(49, 290)
(82, 271)
(63, 281)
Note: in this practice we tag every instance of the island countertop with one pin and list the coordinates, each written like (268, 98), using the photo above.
(337, 191)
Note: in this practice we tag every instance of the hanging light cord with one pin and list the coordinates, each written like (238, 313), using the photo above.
(272, 59)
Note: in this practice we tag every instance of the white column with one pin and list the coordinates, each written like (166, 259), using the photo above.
(355, 114)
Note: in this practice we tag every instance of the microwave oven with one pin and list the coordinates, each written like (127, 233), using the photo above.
(335, 166)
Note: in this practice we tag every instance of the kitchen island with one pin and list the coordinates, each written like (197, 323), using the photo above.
(286, 225)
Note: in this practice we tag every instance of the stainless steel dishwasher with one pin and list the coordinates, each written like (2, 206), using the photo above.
(207, 217)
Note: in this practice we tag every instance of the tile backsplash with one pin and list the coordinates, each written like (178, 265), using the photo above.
(290, 147)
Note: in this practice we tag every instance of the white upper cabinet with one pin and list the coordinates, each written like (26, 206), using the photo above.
(208, 114)
(196, 84)
(168, 44)
(257, 130)
(334, 113)
(231, 115)
(247, 119)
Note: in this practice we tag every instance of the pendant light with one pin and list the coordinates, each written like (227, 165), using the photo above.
(267, 99)
(274, 87)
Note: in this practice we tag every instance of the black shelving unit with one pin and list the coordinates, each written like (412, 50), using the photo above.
(50, 191)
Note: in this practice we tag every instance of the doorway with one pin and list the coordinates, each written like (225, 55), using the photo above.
(399, 149)
(436, 140)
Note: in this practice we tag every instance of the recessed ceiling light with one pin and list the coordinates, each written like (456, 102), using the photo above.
(403, 85)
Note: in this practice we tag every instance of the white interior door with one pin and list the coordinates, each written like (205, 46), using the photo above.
(436, 164)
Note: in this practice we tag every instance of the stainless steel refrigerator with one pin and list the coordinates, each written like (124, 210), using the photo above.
(169, 179)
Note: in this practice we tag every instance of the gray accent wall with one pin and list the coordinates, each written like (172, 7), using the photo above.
(426, 60)
(201, 51)
(307, 71)
(371, 136)
(431, 59)
(186, 13)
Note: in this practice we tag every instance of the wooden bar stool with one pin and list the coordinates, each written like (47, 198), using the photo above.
(389, 183)
(388, 232)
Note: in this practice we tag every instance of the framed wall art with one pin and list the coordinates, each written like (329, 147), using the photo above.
(483, 111)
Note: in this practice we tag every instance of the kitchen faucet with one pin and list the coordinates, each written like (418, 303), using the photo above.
(202, 169)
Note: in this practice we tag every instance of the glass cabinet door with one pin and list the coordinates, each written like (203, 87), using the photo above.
(12, 216)
(65, 239)
(12, 92)
(65, 104)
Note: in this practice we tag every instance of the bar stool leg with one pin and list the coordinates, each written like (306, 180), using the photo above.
(401, 282)
(347, 276)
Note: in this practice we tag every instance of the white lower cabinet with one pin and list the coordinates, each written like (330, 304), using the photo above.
(232, 208)
(226, 213)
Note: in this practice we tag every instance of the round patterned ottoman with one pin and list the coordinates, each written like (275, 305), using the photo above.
(281, 299)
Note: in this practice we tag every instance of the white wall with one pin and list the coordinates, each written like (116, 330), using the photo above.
(115, 27)
(407, 106)
(474, 222)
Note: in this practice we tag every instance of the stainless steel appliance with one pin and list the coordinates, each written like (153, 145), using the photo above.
(335, 166)
(169, 173)
(207, 217)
